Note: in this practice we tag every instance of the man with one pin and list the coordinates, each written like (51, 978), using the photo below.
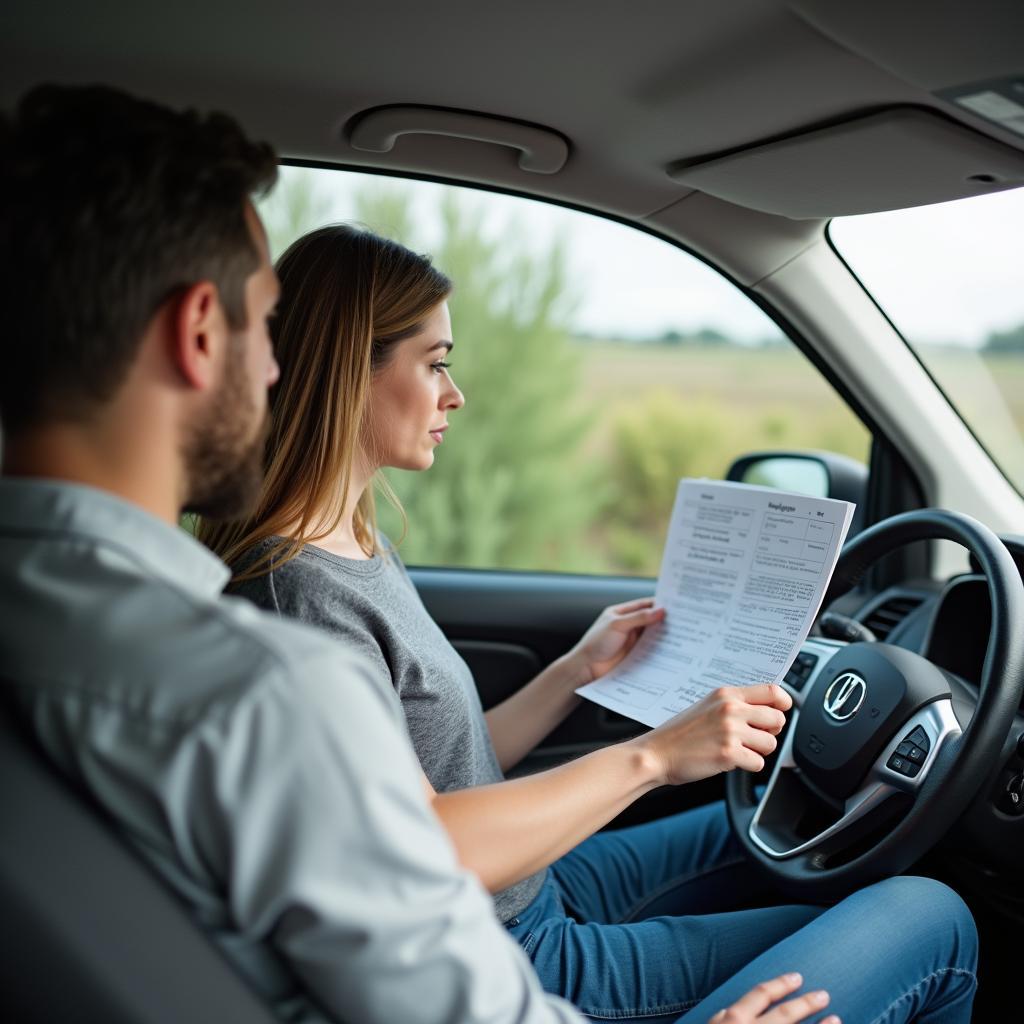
(263, 771)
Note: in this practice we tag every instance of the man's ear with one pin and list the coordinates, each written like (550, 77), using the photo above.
(199, 329)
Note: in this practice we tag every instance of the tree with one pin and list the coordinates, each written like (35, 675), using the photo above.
(1006, 341)
(710, 336)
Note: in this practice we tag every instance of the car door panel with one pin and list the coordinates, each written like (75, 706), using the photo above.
(509, 625)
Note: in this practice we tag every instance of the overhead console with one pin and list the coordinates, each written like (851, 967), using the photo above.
(963, 134)
(885, 160)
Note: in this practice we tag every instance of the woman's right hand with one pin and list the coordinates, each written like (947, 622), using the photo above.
(761, 1004)
(734, 727)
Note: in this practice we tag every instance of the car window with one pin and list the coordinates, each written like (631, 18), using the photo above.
(600, 364)
(949, 278)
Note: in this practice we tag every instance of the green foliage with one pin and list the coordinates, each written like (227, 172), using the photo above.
(707, 409)
(508, 487)
(653, 444)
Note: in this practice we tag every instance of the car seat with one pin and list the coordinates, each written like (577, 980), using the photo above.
(89, 932)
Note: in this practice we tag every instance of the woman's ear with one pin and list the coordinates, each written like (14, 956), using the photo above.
(199, 330)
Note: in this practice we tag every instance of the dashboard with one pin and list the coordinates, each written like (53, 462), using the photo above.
(951, 628)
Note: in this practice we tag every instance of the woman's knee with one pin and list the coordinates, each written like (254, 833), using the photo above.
(927, 909)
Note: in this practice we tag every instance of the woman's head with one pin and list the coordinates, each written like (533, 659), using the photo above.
(411, 395)
(349, 301)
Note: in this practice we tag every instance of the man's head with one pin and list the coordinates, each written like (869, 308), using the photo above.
(122, 224)
(222, 446)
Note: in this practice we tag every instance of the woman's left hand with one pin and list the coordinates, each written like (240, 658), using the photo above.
(612, 637)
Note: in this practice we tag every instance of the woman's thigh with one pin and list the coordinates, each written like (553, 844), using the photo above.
(902, 950)
(652, 970)
(689, 863)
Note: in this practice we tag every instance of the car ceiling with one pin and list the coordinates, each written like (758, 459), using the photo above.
(803, 109)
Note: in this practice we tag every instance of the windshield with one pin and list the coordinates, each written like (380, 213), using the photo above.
(950, 279)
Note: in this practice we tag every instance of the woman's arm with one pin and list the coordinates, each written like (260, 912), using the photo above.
(506, 831)
(518, 724)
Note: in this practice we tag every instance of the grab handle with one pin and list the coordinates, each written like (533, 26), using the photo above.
(541, 150)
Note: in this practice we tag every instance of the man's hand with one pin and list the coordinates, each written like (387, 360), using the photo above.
(734, 727)
(761, 1005)
(611, 638)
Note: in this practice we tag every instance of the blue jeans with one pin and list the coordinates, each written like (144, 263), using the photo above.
(644, 924)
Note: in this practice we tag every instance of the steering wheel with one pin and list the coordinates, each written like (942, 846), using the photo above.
(883, 753)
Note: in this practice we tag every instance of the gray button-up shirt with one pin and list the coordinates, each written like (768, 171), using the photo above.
(262, 769)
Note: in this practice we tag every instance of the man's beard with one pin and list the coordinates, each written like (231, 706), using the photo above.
(223, 458)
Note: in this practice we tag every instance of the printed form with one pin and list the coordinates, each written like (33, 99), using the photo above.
(742, 578)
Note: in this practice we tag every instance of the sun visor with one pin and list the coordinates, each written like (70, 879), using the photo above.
(889, 160)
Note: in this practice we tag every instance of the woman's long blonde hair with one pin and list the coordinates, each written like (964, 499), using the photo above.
(347, 297)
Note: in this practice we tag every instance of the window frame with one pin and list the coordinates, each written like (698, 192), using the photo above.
(880, 503)
(917, 358)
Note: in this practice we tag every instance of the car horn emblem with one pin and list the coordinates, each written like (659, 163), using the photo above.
(845, 696)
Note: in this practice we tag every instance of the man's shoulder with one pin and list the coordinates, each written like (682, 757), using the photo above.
(274, 650)
(169, 659)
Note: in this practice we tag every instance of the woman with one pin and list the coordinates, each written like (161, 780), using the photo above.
(637, 924)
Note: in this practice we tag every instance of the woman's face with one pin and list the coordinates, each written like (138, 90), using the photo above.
(411, 396)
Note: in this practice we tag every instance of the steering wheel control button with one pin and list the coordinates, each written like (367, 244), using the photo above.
(903, 765)
(905, 748)
(917, 755)
(800, 671)
(920, 739)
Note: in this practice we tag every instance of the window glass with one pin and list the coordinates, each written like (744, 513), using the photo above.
(949, 278)
(599, 364)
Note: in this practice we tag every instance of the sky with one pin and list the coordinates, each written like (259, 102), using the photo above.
(948, 273)
(952, 272)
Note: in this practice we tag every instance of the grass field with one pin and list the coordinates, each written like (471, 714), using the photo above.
(779, 392)
(665, 412)
(745, 398)
(989, 393)
(672, 411)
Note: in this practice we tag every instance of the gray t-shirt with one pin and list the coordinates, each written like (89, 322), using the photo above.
(374, 608)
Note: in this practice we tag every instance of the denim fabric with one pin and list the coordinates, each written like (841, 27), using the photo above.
(645, 924)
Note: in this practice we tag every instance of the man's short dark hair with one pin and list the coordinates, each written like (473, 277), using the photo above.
(109, 205)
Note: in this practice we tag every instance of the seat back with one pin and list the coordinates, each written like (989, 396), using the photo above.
(87, 930)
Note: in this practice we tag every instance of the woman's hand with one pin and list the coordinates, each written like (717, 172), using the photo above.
(611, 638)
(521, 721)
(733, 727)
(761, 1005)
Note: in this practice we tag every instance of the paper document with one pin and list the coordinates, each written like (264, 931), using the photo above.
(742, 578)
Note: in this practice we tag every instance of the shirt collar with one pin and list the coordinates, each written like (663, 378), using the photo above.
(37, 507)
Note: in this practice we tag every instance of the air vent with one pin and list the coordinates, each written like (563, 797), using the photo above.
(889, 614)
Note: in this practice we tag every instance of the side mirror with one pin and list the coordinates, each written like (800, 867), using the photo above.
(821, 474)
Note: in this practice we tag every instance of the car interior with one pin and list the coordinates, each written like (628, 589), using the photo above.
(736, 133)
